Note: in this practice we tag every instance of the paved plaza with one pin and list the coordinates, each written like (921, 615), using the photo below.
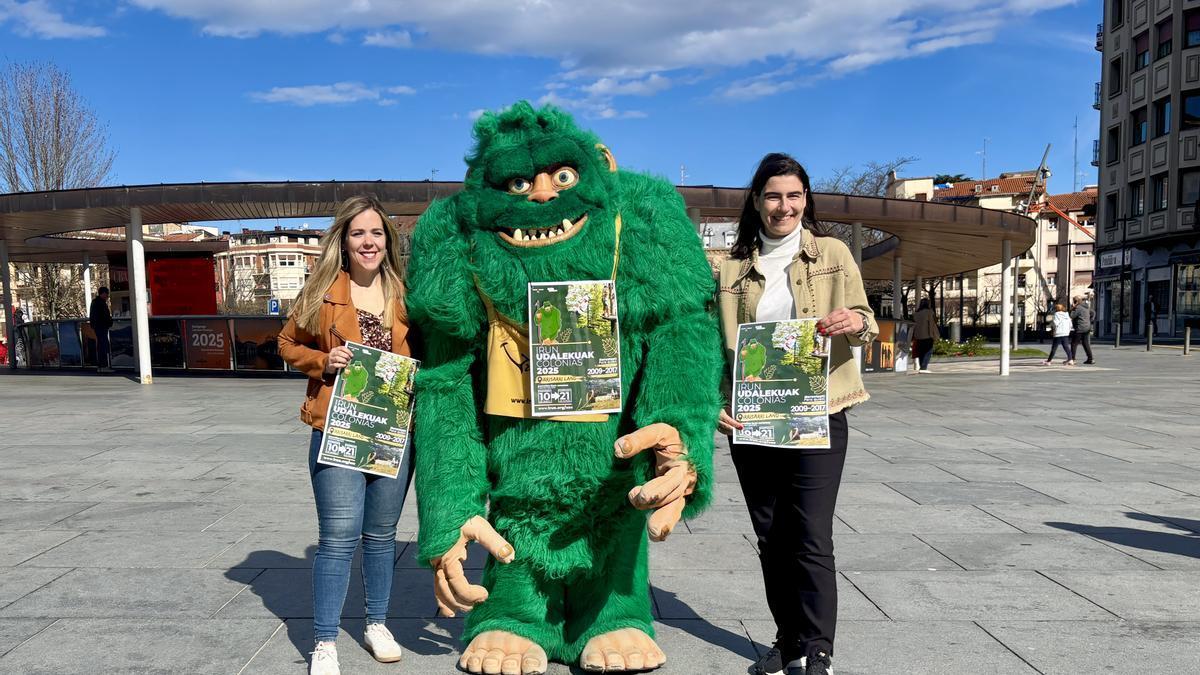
(1048, 522)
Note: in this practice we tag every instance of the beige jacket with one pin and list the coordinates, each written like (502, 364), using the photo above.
(826, 279)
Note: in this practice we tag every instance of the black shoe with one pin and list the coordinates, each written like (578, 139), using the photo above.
(776, 661)
(1088, 362)
(819, 663)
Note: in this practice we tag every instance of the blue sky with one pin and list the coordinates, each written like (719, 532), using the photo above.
(221, 90)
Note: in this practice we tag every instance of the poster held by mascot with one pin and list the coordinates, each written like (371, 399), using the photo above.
(563, 504)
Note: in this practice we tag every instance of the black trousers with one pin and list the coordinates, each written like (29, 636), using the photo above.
(102, 349)
(1086, 339)
(791, 494)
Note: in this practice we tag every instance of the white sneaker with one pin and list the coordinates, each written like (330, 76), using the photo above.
(381, 644)
(324, 660)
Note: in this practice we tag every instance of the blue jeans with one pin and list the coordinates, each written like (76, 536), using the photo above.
(353, 505)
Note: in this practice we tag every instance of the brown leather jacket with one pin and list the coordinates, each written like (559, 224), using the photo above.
(309, 353)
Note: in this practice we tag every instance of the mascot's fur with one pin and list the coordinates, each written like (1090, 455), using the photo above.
(554, 489)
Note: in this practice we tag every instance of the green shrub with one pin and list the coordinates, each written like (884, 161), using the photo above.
(969, 348)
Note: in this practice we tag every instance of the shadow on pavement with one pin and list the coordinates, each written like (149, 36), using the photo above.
(284, 586)
(1186, 543)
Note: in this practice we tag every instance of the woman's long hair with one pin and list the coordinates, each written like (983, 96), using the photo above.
(749, 226)
(333, 259)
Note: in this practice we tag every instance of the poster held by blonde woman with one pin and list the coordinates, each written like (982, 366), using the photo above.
(355, 294)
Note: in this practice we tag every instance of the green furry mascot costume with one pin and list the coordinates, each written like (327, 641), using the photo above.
(561, 504)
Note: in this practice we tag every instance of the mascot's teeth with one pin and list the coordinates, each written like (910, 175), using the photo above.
(518, 235)
(566, 224)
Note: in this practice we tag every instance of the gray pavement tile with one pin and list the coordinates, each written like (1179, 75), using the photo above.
(927, 647)
(1031, 552)
(870, 493)
(735, 520)
(971, 493)
(15, 631)
(1110, 492)
(148, 516)
(129, 593)
(684, 551)
(729, 595)
(260, 471)
(48, 489)
(888, 472)
(1118, 471)
(284, 490)
(1179, 550)
(167, 490)
(287, 594)
(19, 546)
(960, 454)
(30, 515)
(1183, 514)
(1161, 595)
(296, 517)
(1101, 646)
(920, 519)
(1051, 518)
(271, 550)
(17, 582)
(1023, 472)
(973, 596)
(957, 441)
(140, 646)
(860, 552)
(136, 550)
(430, 646)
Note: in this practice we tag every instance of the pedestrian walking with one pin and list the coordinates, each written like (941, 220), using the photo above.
(1081, 325)
(926, 333)
(782, 267)
(100, 318)
(355, 294)
(1062, 335)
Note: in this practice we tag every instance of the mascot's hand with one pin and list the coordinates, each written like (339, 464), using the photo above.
(676, 478)
(453, 591)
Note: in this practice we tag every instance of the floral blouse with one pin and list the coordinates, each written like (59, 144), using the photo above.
(374, 334)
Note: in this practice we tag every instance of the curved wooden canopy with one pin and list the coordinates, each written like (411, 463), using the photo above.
(932, 239)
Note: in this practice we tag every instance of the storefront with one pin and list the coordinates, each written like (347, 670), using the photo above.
(1186, 298)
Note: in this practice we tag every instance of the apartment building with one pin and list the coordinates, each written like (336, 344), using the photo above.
(1148, 156)
(264, 264)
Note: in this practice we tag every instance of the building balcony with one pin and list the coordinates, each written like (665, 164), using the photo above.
(1096, 99)
(1100, 37)
(1096, 153)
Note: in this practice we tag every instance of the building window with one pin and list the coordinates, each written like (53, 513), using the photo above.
(1118, 13)
(1191, 28)
(1164, 39)
(1141, 51)
(1052, 224)
(1139, 127)
(1052, 280)
(1082, 249)
(1115, 75)
(1114, 144)
(1110, 211)
(1137, 198)
(1052, 251)
(1162, 117)
(1190, 118)
(1158, 190)
(1189, 187)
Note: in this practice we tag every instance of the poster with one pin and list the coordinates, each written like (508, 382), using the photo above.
(181, 285)
(575, 348)
(780, 374)
(70, 351)
(256, 344)
(370, 412)
(208, 345)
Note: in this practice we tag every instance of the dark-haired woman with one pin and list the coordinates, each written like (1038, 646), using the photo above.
(783, 266)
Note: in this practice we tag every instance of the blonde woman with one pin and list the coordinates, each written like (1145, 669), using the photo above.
(355, 294)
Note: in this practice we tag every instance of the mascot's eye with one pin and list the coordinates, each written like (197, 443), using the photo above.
(565, 177)
(519, 186)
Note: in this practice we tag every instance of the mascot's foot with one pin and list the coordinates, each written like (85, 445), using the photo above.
(496, 652)
(621, 650)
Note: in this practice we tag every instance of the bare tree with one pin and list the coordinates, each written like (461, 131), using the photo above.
(49, 140)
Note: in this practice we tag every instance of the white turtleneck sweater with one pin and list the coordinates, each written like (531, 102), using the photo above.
(776, 303)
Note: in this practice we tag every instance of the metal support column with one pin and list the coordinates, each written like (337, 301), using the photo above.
(137, 290)
(1187, 340)
(693, 214)
(6, 282)
(87, 282)
(1018, 306)
(856, 243)
(897, 288)
(1005, 304)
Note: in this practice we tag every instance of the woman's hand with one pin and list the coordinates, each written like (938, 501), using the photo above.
(841, 321)
(726, 424)
(339, 357)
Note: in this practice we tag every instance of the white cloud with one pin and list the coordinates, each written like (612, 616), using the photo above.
(35, 18)
(636, 48)
(476, 114)
(398, 39)
(330, 94)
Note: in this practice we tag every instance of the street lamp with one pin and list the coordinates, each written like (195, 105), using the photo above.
(1121, 298)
